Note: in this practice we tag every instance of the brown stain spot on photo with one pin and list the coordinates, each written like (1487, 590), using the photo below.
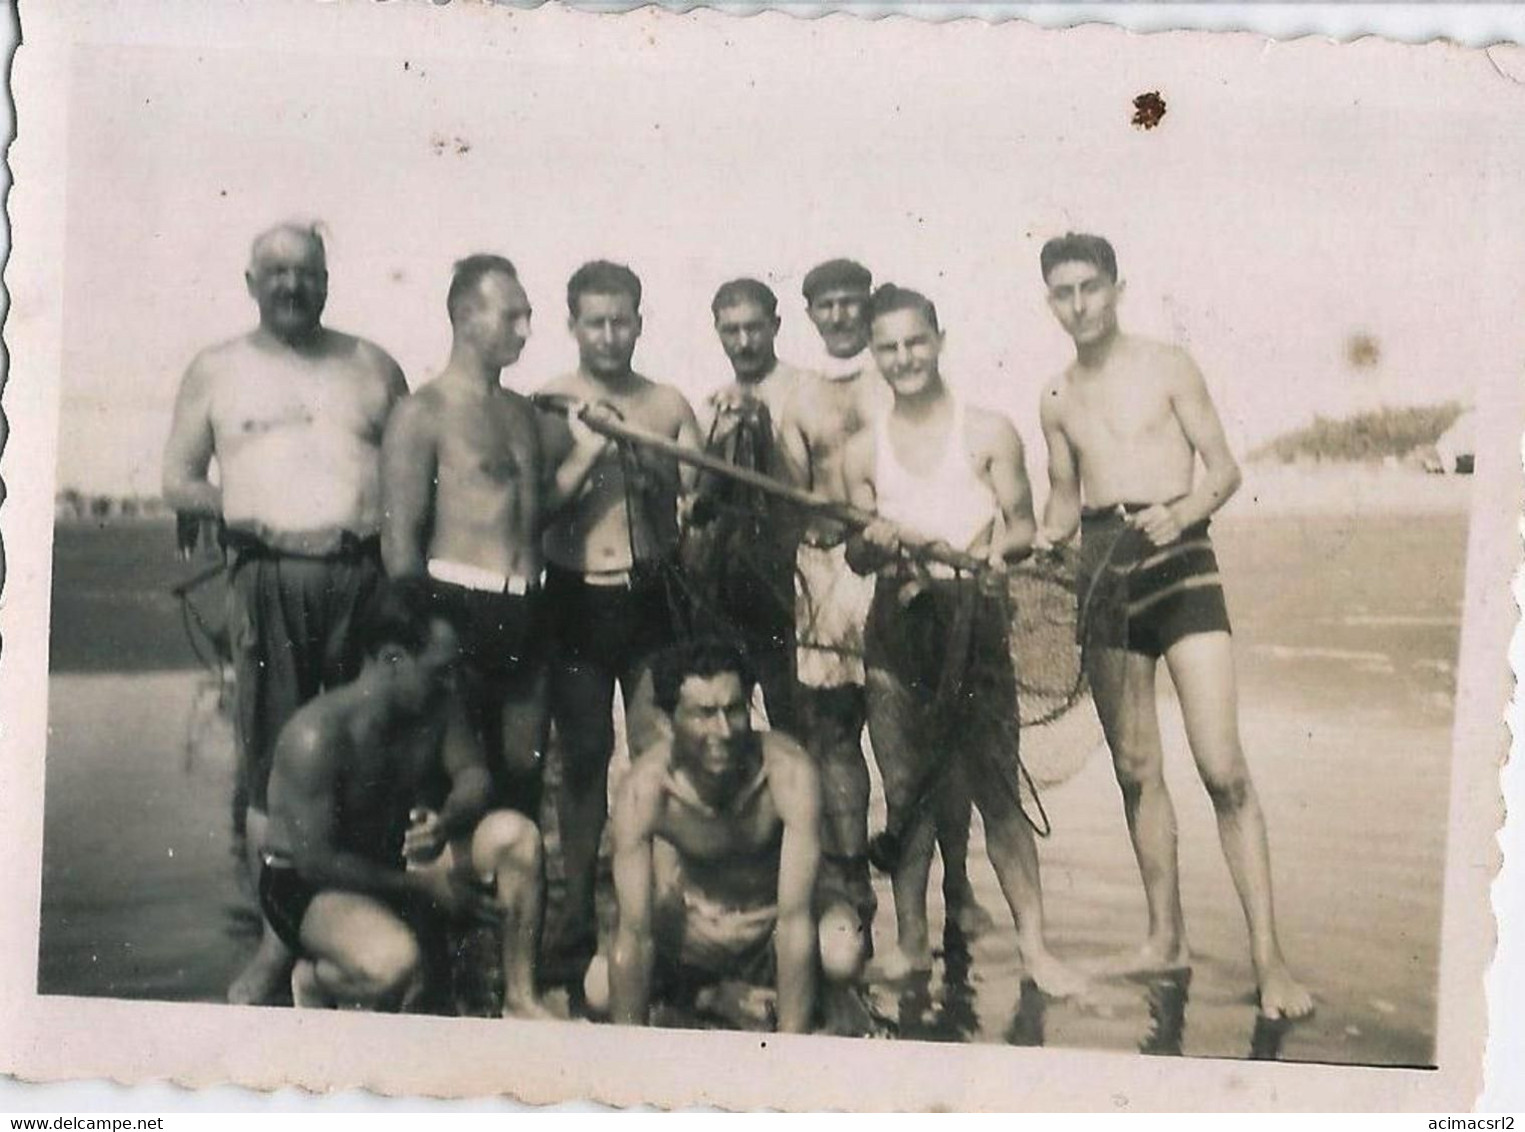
(1148, 109)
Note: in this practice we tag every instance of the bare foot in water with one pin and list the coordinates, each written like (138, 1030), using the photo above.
(1282, 996)
(1154, 958)
(261, 981)
(896, 965)
(1054, 978)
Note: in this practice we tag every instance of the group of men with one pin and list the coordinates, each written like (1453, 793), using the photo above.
(429, 590)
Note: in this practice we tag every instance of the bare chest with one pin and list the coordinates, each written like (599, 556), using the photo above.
(836, 412)
(1121, 409)
(252, 401)
(492, 443)
(723, 838)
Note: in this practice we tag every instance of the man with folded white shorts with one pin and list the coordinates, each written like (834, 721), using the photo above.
(462, 497)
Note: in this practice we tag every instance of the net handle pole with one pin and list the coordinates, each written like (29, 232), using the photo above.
(607, 425)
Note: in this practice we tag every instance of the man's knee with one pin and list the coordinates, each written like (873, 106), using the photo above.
(505, 839)
(1230, 792)
(382, 967)
(840, 938)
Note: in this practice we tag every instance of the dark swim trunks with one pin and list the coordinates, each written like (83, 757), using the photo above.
(292, 623)
(614, 627)
(1144, 598)
(910, 635)
(284, 897)
(503, 656)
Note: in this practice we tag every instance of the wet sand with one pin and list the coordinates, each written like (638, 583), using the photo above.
(1347, 691)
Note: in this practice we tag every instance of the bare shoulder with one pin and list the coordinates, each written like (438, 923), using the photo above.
(792, 775)
(371, 354)
(418, 412)
(990, 432)
(565, 383)
(858, 454)
(639, 798)
(220, 359)
(669, 402)
(311, 743)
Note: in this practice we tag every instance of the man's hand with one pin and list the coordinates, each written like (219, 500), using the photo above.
(1159, 524)
(460, 897)
(585, 438)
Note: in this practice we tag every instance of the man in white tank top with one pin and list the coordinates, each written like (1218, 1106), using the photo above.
(937, 472)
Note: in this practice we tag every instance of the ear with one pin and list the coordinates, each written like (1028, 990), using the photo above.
(1121, 286)
(777, 322)
(249, 284)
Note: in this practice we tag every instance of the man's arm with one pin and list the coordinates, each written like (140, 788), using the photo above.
(189, 450)
(466, 764)
(303, 788)
(1007, 469)
(793, 444)
(1193, 407)
(1204, 431)
(878, 543)
(1061, 513)
(409, 466)
(634, 952)
(796, 790)
(570, 450)
(303, 785)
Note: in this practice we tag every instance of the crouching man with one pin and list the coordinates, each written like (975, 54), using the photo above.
(354, 795)
(717, 840)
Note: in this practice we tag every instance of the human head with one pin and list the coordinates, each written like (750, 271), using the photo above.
(401, 636)
(746, 319)
(1080, 272)
(287, 277)
(836, 298)
(604, 308)
(489, 311)
(906, 339)
(705, 686)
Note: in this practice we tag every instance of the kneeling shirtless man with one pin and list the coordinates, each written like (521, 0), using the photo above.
(717, 839)
(351, 769)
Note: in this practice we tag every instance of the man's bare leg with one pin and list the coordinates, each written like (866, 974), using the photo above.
(270, 968)
(832, 719)
(363, 956)
(1122, 685)
(903, 764)
(1014, 854)
(582, 703)
(1202, 667)
(506, 848)
(955, 810)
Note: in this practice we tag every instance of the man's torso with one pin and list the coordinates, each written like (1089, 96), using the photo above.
(828, 413)
(1124, 429)
(297, 438)
(487, 488)
(619, 520)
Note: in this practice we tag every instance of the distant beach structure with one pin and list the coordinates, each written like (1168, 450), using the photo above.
(1456, 447)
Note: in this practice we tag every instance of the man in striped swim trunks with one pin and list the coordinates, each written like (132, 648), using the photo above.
(1125, 427)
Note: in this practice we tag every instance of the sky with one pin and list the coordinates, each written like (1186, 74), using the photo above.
(1294, 197)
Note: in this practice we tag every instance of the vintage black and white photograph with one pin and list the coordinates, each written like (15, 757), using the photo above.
(884, 531)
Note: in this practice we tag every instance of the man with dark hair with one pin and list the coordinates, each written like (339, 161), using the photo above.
(293, 413)
(938, 472)
(613, 594)
(717, 844)
(826, 412)
(741, 541)
(1125, 426)
(462, 481)
(360, 862)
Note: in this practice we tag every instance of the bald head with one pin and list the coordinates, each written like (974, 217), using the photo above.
(288, 278)
(290, 237)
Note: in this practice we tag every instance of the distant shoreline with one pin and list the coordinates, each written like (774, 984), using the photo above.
(1282, 489)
